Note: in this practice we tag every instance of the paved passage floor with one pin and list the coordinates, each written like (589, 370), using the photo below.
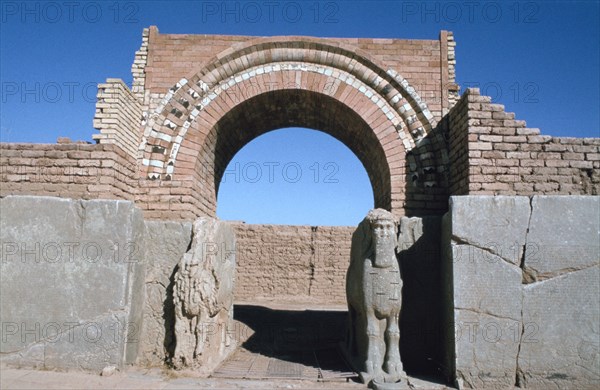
(136, 378)
(279, 348)
(324, 365)
(284, 343)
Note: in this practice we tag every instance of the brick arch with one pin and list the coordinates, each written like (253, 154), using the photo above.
(261, 114)
(187, 120)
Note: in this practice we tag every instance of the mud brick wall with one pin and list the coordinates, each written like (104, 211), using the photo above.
(118, 116)
(491, 153)
(303, 263)
(78, 171)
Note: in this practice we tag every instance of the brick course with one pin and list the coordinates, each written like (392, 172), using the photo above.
(491, 153)
(79, 171)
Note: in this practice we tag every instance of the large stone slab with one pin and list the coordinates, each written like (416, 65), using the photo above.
(498, 224)
(71, 278)
(529, 323)
(561, 308)
(165, 244)
(487, 314)
(484, 238)
(561, 332)
(563, 235)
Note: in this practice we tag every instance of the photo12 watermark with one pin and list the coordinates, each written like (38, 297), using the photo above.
(270, 12)
(69, 332)
(469, 12)
(515, 91)
(65, 252)
(278, 171)
(70, 12)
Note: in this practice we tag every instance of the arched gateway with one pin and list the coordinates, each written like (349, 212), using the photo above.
(193, 127)
(485, 269)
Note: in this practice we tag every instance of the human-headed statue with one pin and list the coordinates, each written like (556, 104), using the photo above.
(374, 294)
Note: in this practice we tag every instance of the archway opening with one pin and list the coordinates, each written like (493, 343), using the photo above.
(292, 108)
(291, 264)
(295, 176)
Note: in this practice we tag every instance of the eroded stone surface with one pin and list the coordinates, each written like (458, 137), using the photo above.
(486, 318)
(497, 224)
(563, 235)
(561, 332)
(560, 345)
(203, 297)
(166, 242)
(69, 273)
(532, 323)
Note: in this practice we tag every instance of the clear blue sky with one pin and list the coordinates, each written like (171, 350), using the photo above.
(541, 59)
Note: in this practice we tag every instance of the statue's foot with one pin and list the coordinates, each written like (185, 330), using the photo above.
(393, 372)
(403, 385)
(369, 377)
(365, 377)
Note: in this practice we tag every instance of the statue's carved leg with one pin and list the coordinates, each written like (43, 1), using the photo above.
(393, 365)
(184, 335)
(201, 330)
(373, 352)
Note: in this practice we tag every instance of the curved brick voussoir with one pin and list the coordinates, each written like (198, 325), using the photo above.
(388, 90)
(292, 81)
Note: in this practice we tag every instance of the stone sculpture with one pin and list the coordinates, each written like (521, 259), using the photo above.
(203, 297)
(373, 291)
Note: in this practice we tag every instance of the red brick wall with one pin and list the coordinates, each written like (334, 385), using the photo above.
(488, 151)
(80, 171)
(491, 153)
(173, 56)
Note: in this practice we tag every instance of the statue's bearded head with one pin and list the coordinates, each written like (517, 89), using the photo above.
(383, 235)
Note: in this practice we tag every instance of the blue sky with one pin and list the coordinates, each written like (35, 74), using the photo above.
(540, 59)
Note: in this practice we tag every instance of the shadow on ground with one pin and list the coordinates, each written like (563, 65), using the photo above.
(307, 337)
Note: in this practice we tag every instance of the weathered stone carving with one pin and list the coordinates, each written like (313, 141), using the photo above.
(203, 297)
(373, 290)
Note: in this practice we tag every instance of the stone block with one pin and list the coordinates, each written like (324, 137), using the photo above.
(71, 274)
(487, 313)
(496, 224)
(561, 327)
(564, 235)
(166, 242)
(532, 323)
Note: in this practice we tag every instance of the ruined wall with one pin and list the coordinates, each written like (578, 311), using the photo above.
(71, 282)
(78, 171)
(299, 263)
(491, 153)
(522, 283)
(118, 116)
